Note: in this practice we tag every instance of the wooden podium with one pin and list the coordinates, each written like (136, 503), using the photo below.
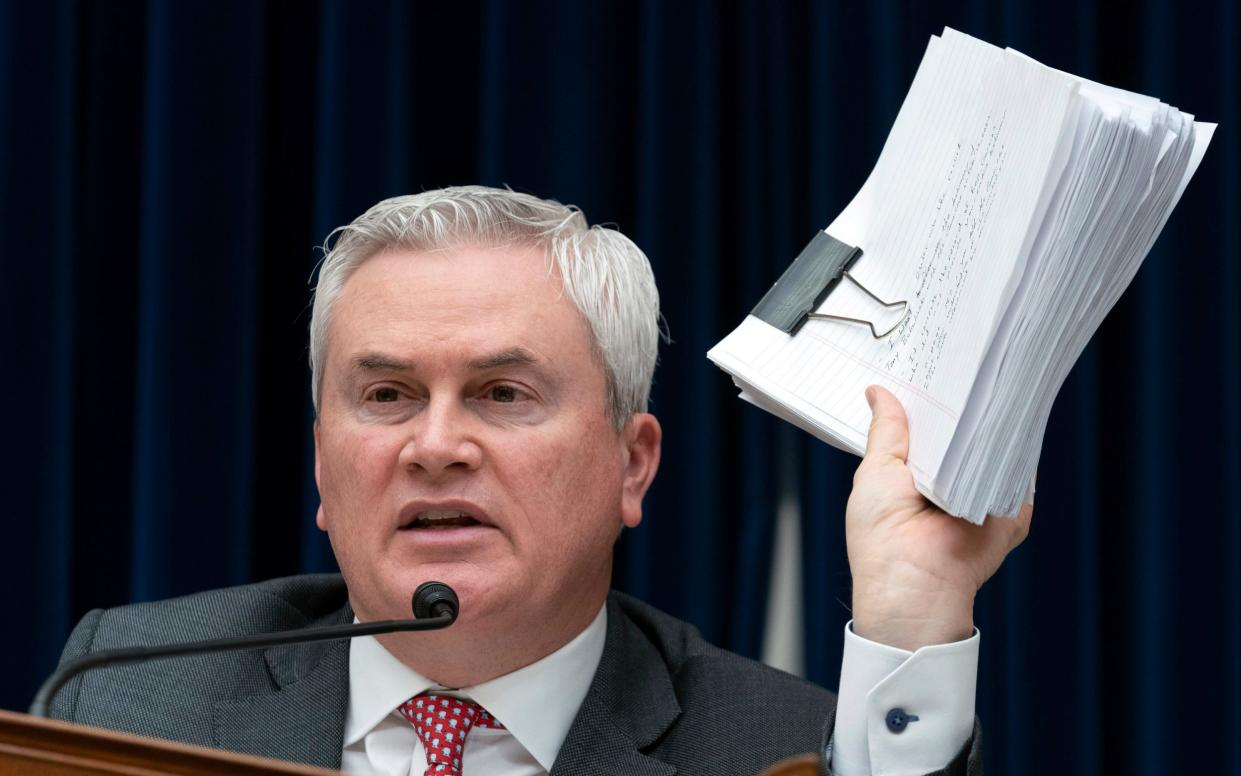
(30, 746)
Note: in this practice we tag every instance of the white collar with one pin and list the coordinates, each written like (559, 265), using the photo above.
(536, 703)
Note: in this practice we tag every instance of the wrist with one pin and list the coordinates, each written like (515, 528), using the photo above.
(912, 619)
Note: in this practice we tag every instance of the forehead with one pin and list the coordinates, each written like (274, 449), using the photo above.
(470, 300)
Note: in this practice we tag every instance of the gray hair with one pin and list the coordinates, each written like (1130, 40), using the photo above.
(604, 274)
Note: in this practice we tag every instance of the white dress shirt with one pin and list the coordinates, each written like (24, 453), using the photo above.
(536, 705)
(936, 684)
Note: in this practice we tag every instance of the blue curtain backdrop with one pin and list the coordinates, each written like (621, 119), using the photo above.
(166, 169)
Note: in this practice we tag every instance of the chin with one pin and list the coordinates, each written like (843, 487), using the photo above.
(478, 593)
(478, 597)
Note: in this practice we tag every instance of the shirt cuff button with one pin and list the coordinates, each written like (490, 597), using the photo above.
(897, 720)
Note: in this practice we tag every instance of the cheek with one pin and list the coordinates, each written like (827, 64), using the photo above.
(575, 484)
(354, 468)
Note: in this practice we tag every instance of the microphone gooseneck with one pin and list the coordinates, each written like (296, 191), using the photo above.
(435, 606)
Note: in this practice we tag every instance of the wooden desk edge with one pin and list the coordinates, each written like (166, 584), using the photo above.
(55, 742)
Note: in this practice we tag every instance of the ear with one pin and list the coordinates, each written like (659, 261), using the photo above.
(642, 437)
(320, 519)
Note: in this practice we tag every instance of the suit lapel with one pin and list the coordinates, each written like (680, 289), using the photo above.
(630, 704)
(303, 718)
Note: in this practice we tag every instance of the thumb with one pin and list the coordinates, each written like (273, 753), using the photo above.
(889, 428)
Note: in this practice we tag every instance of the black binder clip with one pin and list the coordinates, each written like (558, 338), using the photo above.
(809, 280)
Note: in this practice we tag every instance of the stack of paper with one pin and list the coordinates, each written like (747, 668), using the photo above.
(1011, 206)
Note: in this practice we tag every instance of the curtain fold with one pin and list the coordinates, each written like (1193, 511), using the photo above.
(169, 169)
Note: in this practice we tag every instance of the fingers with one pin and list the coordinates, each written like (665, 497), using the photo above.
(889, 429)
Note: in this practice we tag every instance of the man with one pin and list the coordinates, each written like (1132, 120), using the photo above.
(481, 364)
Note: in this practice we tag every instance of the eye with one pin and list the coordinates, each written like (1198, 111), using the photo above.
(385, 394)
(504, 394)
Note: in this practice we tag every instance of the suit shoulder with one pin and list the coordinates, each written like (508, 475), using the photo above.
(278, 604)
(694, 661)
(720, 692)
(173, 698)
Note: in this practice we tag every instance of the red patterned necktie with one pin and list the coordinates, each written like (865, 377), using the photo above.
(443, 722)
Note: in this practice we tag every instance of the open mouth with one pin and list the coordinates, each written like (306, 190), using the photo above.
(441, 518)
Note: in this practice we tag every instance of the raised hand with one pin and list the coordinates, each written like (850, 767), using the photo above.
(916, 569)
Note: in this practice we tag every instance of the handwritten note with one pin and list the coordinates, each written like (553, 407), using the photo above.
(948, 254)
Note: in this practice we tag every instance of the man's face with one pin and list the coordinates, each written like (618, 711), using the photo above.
(464, 437)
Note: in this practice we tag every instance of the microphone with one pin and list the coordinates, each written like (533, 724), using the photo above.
(435, 606)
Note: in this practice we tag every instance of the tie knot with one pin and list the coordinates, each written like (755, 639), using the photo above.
(442, 722)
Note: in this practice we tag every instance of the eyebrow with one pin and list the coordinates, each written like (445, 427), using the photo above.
(510, 357)
(378, 362)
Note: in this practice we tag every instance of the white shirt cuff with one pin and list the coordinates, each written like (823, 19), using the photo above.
(882, 686)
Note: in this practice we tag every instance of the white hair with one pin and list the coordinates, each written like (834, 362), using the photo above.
(604, 274)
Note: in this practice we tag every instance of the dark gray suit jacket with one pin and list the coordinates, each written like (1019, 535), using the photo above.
(662, 702)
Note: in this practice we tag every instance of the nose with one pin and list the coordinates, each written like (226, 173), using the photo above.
(441, 441)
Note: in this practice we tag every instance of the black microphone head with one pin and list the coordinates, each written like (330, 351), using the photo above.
(434, 599)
